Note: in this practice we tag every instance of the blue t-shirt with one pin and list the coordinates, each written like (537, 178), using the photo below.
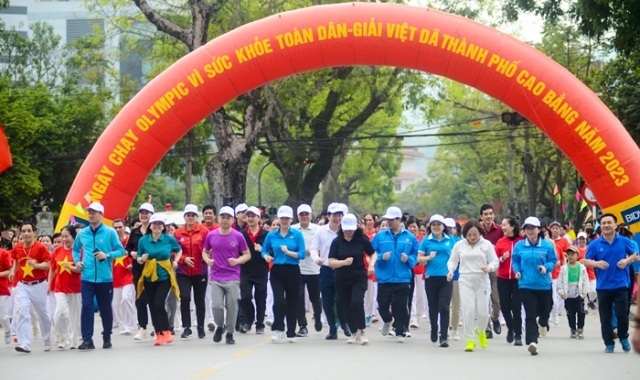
(294, 240)
(160, 249)
(612, 277)
(438, 265)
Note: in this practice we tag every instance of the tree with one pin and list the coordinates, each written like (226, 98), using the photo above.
(162, 192)
(618, 18)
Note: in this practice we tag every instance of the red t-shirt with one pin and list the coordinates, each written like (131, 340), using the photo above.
(5, 264)
(561, 245)
(66, 281)
(419, 269)
(591, 272)
(37, 252)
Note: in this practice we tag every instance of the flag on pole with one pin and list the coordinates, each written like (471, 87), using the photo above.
(583, 205)
(578, 197)
(555, 189)
(564, 208)
(72, 219)
(559, 198)
(5, 154)
(589, 215)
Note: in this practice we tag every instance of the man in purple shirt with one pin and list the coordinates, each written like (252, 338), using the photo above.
(492, 231)
(224, 250)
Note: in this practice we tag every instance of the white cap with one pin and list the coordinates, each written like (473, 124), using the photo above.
(393, 213)
(582, 235)
(156, 218)
(95, 206)
(437, 218)
(127, 230)
(531, 221)
(147, 207)
(334, 208)
(285, 212)
(555, 223)
(304, 208)
(254, 210)
(450, 222)
(190, 209)
(349, 222)
(343, 208)
(242, 207)
(227, 211)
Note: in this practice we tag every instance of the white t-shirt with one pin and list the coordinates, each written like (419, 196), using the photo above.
(308, 266)
(472, 259)
(321, 243)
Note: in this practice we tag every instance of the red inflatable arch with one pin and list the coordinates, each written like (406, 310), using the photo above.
(359, 34)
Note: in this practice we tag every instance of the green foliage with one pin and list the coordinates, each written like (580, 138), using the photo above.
(51, 121)
(274, 193)
(163, 192)
(615, 20)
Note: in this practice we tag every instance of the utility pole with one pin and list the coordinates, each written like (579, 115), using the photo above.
(527, 162)
(513, 119)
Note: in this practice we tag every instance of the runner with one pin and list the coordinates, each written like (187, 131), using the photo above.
(145, 211)
(158, 278)
(320, 254)
(240, 223)
(31, 261)
(397, 250)
(418, 297)
(209, 215)
(192, 272)
(610, 255)
(561, 246)
(288, 249)
(94, 250)
(66, 291)
(124, 293)
(5, 293)
(452, 229)
(370, 306)
(491, 231)
(225, 249)
(573, 284)
(309, 273)
(345, 256)
(582, 252)
(253, 275)
(477, 258)
(533, 259)
(435, 251)
(510, 300)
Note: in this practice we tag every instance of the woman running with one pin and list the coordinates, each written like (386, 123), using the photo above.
(345, 256)
(508, 291)
(66, 289)
(533, 260)
(477, 258)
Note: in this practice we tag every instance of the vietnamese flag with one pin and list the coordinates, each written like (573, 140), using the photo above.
(5, 154)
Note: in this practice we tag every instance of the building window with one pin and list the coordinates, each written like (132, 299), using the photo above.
(398, 185)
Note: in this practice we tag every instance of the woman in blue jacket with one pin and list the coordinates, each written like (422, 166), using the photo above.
(435, 250)
(533, 260)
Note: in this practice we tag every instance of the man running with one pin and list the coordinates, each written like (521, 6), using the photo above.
(492, 231)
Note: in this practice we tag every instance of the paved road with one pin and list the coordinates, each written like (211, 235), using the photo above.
(254, 357)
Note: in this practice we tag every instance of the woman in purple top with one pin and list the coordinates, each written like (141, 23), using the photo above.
(224, 250)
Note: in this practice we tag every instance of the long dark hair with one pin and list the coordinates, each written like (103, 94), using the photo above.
(513, 222)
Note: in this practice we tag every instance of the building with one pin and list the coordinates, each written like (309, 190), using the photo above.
(410, 172)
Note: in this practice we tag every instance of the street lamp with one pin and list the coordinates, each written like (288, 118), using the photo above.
(260, 183)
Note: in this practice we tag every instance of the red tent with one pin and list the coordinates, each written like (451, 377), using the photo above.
(5, 154)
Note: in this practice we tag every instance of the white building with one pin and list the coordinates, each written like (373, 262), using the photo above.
(409, 172)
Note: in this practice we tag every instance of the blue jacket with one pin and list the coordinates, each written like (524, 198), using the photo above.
(526, 258)
(394, 271)
(105, 239)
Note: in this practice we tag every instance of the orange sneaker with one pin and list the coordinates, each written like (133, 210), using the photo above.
(168, 338)
(159, 339)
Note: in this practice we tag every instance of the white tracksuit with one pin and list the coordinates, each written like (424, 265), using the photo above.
(474, 284)
(35, 295)
(67, 317)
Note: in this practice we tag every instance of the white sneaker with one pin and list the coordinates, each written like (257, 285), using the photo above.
(141, 335)
(542, 331)
(392, 333)
(407, 334)
(363, 340)
(7, 337)
(399, 339)
(34, 330)
(454, 335)
(60, 345)
(277, 336)
(374, 319)
(385, 328)
(354, 338)
(67, 344)
(556, 321)
(47, 345)
(413, 324)
(125, 332)
(292, 339)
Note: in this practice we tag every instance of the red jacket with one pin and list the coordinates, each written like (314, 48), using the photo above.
(561, 245)
(192, 244)
(504, 244)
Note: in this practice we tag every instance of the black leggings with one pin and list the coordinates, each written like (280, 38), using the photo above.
(157, 293)
(285, 283)
(439, 292)
(351, 290)
(199, 285)
(141, 303)
(248, 286)
(511, 305)
(312, 281)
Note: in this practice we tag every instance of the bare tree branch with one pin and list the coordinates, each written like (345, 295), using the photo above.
(164, 25)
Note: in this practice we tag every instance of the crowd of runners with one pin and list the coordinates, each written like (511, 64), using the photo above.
(238, 270)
